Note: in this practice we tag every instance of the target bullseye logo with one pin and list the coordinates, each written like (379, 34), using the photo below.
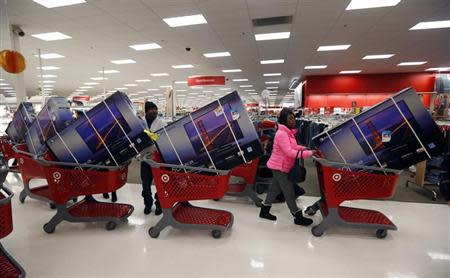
(337, 177)
(165, 178)
(57, 176)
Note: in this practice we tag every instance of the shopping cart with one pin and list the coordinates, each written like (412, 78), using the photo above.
(67, 181)
(177, 185)
(8, 154)
(341, 182)
(9, 267)
(247, 172)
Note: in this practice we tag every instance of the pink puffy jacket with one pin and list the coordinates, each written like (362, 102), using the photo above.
(285, 149)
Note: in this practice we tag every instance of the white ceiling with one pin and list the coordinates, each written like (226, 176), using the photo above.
(102, 30)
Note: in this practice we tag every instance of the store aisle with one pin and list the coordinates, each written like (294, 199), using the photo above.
(253, 248)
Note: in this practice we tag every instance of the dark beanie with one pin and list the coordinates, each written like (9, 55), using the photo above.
(149, 105)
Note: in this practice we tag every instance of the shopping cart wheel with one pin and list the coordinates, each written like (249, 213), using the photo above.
(316, 232)
(110, 225)
(381, 233)
(216, 233)
(216, 200)
(52, 206)
(75, 200)
(152, 233)
(49, 229)
(310, 210)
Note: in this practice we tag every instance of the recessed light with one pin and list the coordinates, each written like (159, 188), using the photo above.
(91, 83)
(333, 47)
(182, 66)
(58, 3)
(181, 82)
(216, 54)
(50, 56)
(143, 80)
(86, 87)
(165, 86)
(271, 88)
(316, 67)
(412, 63)
(349, 71)
(240, 80)
(48, 81)
(439, 69)
(431, 25)
(145, 46)
(52, 36)
(185, 20)
(246, 86)
(272, 74)
(108, 71)
(130, 85)
(48, 68)
(160, 74)
(276, 61)
(377, 56)
(121, 88)
(99, 78)
(272, 36)
(123, 62)
(251, 90)
(232, 70)
(365, 4)
(152, 90)
(272, 82)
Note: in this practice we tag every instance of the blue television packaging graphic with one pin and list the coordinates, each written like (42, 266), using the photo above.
(395, 133)
(54, 117)
(219, 135)
(21, 121)
(108, 134)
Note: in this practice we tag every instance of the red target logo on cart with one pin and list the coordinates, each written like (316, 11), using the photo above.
(165, 178)
(57, 176)
(336, 177)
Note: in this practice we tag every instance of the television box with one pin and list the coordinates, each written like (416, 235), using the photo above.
(206, 131)
(399, 132)
(100, 135)
(54, 116)
(21, 120)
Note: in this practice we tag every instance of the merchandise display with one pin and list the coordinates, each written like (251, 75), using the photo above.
(108, 134)
(53, 117)
(21, 121)
(396, 133)
(219, 135)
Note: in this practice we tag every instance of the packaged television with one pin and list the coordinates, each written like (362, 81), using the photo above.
(22, 119)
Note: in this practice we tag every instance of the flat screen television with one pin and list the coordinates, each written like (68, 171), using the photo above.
(20, 122)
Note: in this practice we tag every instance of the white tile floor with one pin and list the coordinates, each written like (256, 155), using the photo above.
(252, 248)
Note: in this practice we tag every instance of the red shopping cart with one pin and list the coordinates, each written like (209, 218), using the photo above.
(341, 182)
(176, 187)
(9, 267)
(67, 181)
(6, 148)
(247, 172)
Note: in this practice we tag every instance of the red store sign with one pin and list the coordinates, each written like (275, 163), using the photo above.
(206, 81)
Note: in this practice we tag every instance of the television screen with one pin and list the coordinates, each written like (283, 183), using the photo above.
(23, 118)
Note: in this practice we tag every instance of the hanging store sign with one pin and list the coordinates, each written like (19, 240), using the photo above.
(206, 81)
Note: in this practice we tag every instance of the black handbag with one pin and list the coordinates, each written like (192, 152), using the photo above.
(298, 172)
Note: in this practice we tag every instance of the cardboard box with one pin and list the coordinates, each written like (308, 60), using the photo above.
(21, 121)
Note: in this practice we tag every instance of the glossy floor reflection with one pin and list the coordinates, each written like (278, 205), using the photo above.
(252, 248)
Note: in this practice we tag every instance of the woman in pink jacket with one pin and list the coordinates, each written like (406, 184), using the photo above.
(284, 154)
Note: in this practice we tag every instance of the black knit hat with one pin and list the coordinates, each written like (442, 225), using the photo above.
(149, 105)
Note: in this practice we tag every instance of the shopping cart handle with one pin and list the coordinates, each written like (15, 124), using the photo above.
(80, 165)
(15, 149)
(329, 163)
(182, 167)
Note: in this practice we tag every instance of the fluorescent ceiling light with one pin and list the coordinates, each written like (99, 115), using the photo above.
(48, 76)
(182, 66)
(122, 88)
(193, 93)
(48, 81)
(316, 67)
(251, 90)
(272, 74)
(81, 90)
(439, 69)
(431, 25)
(145, 46)
(232, 70)
(52, 36)
(252, 93)
(368, 4)
(158, 95)
(349, 71)
(272, 36)
(160, 74)
(58, 3)
(185, 20)
(50, 56)
(47, 89)
(123, 62)
(48, 86)
(48, 68)
(181, 82)
(108, 71)
(181, 90)
(165, 86)
(207, 91)
(152, 89)
(412, 63)
(277, 61)
(143, 80)
(196, 87)
(130, 85)
(224, 89)
(99, 78)
(91, 83)
(216, 54)
(181, 95)
(246, 86)
(271, 88)
(333, 47)
(272, 82)
(86, 87)
(378, 56)
(4, 84)
(240, 80)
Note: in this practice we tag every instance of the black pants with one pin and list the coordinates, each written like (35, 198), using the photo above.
(147, 177)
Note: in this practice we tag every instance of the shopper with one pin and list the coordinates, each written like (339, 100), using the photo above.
(153, 124)
(284, 153)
